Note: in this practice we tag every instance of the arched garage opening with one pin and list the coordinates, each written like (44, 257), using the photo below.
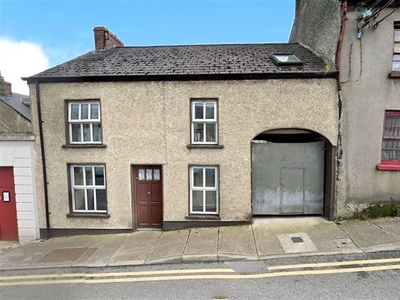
(292, 173)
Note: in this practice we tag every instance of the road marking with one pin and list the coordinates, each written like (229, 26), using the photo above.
(334, 264)
(206, 277)
(90, 275)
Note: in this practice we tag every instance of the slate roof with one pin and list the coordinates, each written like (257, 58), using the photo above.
(16, 104)
(195, 61)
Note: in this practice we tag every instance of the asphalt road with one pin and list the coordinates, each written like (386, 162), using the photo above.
(372, 276)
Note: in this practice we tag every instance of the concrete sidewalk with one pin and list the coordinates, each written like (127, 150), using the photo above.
(265, 238)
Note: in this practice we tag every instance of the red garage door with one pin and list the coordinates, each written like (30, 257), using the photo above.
(8, 207)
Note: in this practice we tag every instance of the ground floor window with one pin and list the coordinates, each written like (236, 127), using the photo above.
(204, 190)
(88, 188)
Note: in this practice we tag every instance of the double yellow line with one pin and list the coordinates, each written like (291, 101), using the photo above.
(202, 274)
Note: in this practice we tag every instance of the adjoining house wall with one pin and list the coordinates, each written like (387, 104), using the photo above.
(19, 155)
(11, 121)
(149, 123)
(367, 92)
(317, 25)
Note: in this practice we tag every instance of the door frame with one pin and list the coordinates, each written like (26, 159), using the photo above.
(134, 191)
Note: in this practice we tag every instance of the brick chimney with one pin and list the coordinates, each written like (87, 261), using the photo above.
(104, 39)
(5, 87)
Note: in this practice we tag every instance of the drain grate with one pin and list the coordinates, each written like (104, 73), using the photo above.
(297, 239)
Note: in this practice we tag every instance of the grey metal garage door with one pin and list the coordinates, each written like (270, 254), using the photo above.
(288, 178)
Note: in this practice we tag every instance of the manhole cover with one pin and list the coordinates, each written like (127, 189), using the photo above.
(297, 239)
(60, 255)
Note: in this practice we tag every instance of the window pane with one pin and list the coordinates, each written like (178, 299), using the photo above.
(74, 111)
(76, 133)
(89, 175)
(79, 196)
(210, 111)
(101, 199)
(198, 111)
(210, 177)
(390, 155)
(198, 177)
(96, 132)
(392, 126)
(84, 111)
(94, 111)
(78, 175)
(86, 133)
(211, 201)
(149, 174)
(90, 199)
(156, 174)
(141, 174)
(99, 175)
(397, 35)
(396, 62)
(211, 132)
(197, 201)
(198, 132)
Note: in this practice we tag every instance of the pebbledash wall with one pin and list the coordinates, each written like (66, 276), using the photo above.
(16, 150)
(149, 123)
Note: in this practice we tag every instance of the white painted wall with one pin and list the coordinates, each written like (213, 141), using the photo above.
(19, 155)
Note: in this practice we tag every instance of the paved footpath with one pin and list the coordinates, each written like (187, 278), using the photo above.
(266, 238)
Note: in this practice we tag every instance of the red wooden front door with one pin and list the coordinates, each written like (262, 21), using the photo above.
(148, 200)
(8, 206)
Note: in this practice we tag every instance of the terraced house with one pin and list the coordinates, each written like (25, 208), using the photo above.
(361, 38)
(179, 136)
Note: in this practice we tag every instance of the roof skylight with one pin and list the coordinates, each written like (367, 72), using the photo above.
(286, 59)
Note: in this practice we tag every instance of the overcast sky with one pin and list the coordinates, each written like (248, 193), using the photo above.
(38, 34)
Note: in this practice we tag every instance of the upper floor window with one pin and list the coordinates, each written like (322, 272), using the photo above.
(391, 141)
(396, 48)
(204, 122)
(84, 122)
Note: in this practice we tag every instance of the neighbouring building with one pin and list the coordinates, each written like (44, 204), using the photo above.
(180, 136)
(18, 210)
(362, 38)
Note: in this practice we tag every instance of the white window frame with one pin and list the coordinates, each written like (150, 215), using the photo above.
(396, 48)
(91, 121)
(204, 189)
(204, 121)
(85, 187)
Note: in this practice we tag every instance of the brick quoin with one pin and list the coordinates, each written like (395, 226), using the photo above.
(104, 39)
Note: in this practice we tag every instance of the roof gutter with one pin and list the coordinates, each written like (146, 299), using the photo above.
(185, 77)
(46, 194)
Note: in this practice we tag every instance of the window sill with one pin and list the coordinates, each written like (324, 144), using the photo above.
(203, 217)
(85, 146)
(191, 146)
(388, 167)
(394, 74)
(88, 215)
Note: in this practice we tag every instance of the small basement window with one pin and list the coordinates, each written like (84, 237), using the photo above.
(286, 59)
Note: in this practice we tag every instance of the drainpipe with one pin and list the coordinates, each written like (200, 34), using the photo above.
(46, 195)
(342, 31)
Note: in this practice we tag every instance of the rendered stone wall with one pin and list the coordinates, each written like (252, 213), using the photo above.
(367, 91)
(317, 25)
